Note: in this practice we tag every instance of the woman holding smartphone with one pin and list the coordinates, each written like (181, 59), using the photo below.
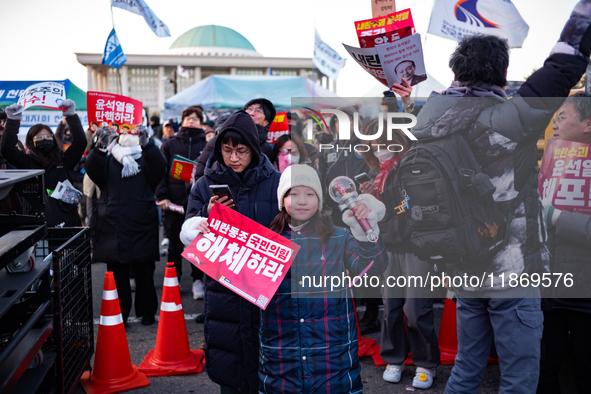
(231, 322)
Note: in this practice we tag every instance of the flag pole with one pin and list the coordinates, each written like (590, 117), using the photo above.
(120, 86)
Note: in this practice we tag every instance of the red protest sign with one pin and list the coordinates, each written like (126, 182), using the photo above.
(565, 176)
(242, 255)
(385, 29)
(183, 169)
(120, 113)
(279, 127)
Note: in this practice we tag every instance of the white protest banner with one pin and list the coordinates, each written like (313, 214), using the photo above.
(43, 94)
(326, 59)
(403, 58)
(140, 7)
(369, 60)
(453, 19)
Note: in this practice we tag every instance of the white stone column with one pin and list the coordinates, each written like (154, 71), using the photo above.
(89, 81)
(233, 71)
(105, 82)
(124, 81)
(268, 72)
(161, 90)
(197, 74)
(95, 86)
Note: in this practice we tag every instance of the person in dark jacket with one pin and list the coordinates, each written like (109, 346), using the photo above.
(231, 322)
(188, 143)
(502, 134)
(262, 112)
(45, 152)
(127, 172)
(570, 250)
(156, 127)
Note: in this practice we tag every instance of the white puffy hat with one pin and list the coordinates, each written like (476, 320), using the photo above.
(299, 175)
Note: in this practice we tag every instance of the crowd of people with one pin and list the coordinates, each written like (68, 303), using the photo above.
(302, 343)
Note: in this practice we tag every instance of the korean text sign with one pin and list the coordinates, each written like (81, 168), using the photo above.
(279, 127)
(44, 94)
(242, 255)
(106, 109)
(565, 176)
(385, 29)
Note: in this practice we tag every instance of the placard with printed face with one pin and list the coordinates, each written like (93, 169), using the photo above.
(43, 94)
(565, 176)
(120, 113)
(403, 59)
(242, 255)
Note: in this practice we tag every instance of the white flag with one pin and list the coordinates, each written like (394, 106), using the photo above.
(454, 19)
(141, 8)
(326, 59)
(181, 72)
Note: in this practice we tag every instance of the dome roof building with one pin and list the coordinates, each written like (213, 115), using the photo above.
(202, 51)
(212, 40)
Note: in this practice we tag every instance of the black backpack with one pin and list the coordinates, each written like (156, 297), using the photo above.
(451, 213)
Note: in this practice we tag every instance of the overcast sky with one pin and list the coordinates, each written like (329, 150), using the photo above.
(41, 37)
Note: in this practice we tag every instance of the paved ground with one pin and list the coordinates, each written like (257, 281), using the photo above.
(142, 338)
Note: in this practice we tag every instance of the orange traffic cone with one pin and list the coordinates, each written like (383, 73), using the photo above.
(448, 335)
(112, 371)
(172, 355)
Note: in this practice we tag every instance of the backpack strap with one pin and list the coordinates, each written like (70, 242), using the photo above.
(514, 205)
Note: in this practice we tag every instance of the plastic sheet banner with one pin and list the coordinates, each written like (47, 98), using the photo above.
(385, 29)
(121, 113)
(242, 255)
(453, 19)
(279, 127)
(565, 176)
(43, 94)
(326, 59)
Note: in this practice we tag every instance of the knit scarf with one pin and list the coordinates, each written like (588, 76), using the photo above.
(127, 156)
(380, 181)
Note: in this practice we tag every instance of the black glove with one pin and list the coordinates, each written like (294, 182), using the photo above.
(103, 136)
(577, 31)
(14, 111)
(70, 107)
(143, 134)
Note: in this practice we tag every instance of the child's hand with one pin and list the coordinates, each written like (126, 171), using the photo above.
(361, 211)
(203, 227)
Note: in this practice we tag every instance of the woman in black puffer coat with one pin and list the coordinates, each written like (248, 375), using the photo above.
(127, 222)
(46, 153)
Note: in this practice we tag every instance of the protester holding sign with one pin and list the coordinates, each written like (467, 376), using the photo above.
(502, 135)
(570, 247)
(127, 172)
(231, 322)
(45, 152)
(307, 332)
(188, 143)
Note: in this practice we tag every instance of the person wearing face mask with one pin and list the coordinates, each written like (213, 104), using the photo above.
(289, 150)
(127, 171)
(189, 143)
(418, 335)
(45, 152)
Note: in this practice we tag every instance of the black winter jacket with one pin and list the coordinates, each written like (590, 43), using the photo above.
(127, 222)
(56, 211)
(570, 251)
(264, 146)
(231, 322)
(502, 133)
(188, 143)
